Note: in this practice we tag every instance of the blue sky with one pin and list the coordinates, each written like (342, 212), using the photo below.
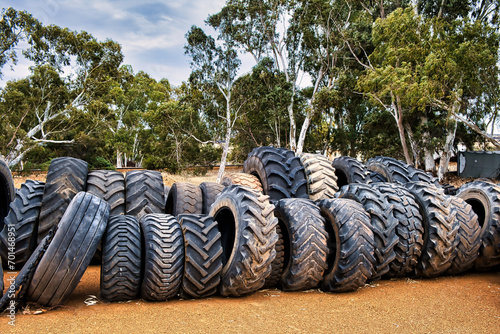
(151, 33)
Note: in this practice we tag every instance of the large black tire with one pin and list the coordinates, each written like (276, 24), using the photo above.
(268, 165)
(320, 175)
(306, 242)
(440, 229)
(352, 245)
(410, 230)
(209, 192)
(396, 171)
(296, 173)
(69, 254)
(349, 170)
(274, 278)
(18, 236)
(163, 257)
(110, 186)
(381, 208)
(121, 259)
(469, 237)
(248, 234)
(484, 197)
(184, 197)
(7, 190)
(66, 177)
(203, 255)
(243, 179)
(145, 193)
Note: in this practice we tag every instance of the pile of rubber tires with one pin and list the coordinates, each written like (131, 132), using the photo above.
(290, 222)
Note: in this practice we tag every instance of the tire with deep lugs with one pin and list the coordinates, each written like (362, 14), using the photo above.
(110, 186)
(350, 170)
(184, 197)
(320, 175)
(145, 193)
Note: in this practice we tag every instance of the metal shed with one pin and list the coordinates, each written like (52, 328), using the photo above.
(479, 164)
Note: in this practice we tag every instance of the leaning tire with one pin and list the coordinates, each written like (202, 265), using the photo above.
(440, 229)
(248, 234)
(396, 171)
(203, 255)
(22, 223)
(7, 190)
(110, 186)
(121, 259)
(320, 175)
(163, 262)
(352, 245)
(144, 193)
(349, 170)
(184, 197)
(484, 197)
(209, 192)
(242, 179)
(306, 243)
(65, 178)
(69, 254)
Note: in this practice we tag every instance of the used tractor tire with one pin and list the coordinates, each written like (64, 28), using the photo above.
(349, 170)
(248, 233)
(184, 197)
(243, 179)
(440, 229)
(469, 237)
(410, 230)
(484, 197)
(66, 177)
(306, 243)
(18, 237)
(110, 186)
(203, 256)
(7, 190)
(121, 259)
(381, 208)
(396, 171)
(209, 192)
(145, 193)
(163, 256)
(69, 254)
(352, 246)
(274, 278)
(320, 176)
(296, 174)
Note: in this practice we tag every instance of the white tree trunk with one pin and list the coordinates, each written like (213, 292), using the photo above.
(446, 153)
(225, 148)
(430, 164)
(119, 159)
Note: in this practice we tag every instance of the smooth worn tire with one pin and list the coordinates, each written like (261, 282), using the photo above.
(184, 197)
(469, 237)
(349, 170)
(145, 193)
(121, 259)
(110, 186)
(306, 243)
(66, 177)
(320, 175)
(163, 256)
(21, 223)
(352, 246)
(68, 255)
(248, 234)
(203, 256)
(484, 197)
(7, 190)
(242, 179)
(440, 229)
(209, 192)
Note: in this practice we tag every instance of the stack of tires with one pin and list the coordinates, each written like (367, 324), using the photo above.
(287, 221)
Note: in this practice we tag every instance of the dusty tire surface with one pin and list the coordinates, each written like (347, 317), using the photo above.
(145, 193)
(163, 257)
(352, 245)
(7, 190)
(320, 176)
(69, 254)
(121, 259)
(203, 255)
(184, 197)
(110, 186)
(306, 243)
(349, 170)
(484, 197)
(209, 192)
(469, 237)
(248, 234)
(65, 178)
(274, 278)
(21, 223)
(242, 179)
(440, 229)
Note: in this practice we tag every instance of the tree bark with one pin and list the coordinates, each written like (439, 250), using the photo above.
(446, 153)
